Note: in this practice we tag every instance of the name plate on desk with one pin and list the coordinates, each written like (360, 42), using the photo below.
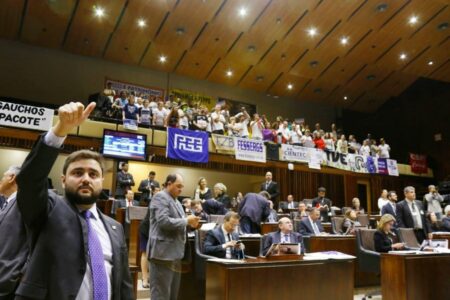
(284, 252)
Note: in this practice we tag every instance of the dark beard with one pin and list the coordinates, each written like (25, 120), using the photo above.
(75, 197)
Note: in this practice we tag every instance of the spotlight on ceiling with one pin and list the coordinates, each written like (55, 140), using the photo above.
(229, 73)
(99, 11)
(403, 56)
(413, 20)
(162, 59)
(141, 23)
(312, 31)
(344, 40)
(242, 12)
(290, 86)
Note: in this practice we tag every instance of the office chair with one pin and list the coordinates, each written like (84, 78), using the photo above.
(407, 236)
(368, 258)
(336, 224)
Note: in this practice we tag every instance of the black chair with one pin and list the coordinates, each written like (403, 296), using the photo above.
(336, 224)
(200, 257)
(363, 220)
(368, 258)
(407, 236)
(261, 244)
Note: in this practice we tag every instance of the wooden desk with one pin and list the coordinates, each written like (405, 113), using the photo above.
(442, 236)
(415, 277)
(345, 244)
(268, 227)
(260, 280)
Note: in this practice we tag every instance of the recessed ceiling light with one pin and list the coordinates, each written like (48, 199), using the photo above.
(242, 12)
(344, 40)
(162, 59)
(290, 86)
(312, 31)
(275, 97)
(413, 20)
(318, 90)
(345, 97)
(229, 73)
(403, 56)
(382, 7)
(141, 23)
(430, 63)
(442, 26)
(99, 11)
(180, 31)
(251, 48)
(259, 78)
(314, 63)
(371, 77)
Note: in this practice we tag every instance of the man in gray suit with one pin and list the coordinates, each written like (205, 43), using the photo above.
(14, 249)
(167, 239)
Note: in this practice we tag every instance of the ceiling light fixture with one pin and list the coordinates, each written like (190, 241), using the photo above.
(345, 97)
(344, 40)
(99, 11)
(162, 59)
(442, 26)
(141, 23)
(312, 31)
(290, 86)
(229, 73)
(413, 20)
(382, 7)
(430, 63)
(403, 56)
(242, 12)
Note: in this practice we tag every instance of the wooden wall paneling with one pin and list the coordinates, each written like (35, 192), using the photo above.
(129, 41)
(88, 34)
(46, 22)
(11, 18)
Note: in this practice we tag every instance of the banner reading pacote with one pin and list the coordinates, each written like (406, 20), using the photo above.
(251, 150)
(187, 145)
(25, 116)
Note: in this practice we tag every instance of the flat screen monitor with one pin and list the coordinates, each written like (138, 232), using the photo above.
(125, 145)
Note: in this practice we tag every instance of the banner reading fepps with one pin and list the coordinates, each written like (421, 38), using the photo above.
(25, 116)
(250, 150)
(187, 145)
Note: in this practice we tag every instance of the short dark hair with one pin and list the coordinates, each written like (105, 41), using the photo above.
(84, 154)
(151, 173)
(265, 194)
(321, 189)
(231, 215)
(390, 193)
(171, 178)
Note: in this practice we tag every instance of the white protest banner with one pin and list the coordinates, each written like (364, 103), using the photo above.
(316, 156)
(251, 150)
(357, 163)
(294, 153)
(336, 160)
(224, 144)
(392, 167)
(25, 116)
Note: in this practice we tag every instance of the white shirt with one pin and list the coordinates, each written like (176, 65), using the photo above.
(384, 150)
(217, 124)
(228, 249)
(159, 116)
(365, 150)
(12, 196)
(382, 202)
(285, 238)
(296, 135)
(86, 289)
(256, 130)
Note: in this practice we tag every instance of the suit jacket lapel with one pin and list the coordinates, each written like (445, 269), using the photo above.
(113, 236)
(4, 212)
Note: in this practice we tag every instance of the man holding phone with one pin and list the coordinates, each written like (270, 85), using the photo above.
(223, 241)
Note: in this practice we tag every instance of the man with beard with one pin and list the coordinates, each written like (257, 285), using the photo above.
(75, 248)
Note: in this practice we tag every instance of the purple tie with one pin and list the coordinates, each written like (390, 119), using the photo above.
(99, 277)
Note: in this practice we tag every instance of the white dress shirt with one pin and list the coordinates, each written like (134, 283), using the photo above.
(227, 239)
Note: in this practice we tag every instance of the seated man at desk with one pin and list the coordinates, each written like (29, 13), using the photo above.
(312, 225)
(301, 213)
(288, 204)
(284, 235)
(129, 200)
(223, 241)
(383, 238)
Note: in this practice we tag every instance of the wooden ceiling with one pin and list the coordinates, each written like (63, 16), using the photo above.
(266, 50)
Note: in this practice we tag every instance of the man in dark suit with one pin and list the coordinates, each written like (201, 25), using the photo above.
(253, 209)
(77, 252)
(271, 187)
(222, 241)
(323, 204)
(312, 225)
(147, 187)
(213, 207)
(124, 182)
(288, 204)
(128, 201)
(391, 206)
(283, 235)
(14, 249)
(410, 214)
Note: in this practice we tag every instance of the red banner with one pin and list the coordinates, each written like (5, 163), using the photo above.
(418, 163)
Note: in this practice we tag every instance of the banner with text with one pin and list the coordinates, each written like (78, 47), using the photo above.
(25, 116)
(294, 153)
(192, 98)
(119, 86)
(251, 150)
(418, 163)
(224, 144)
(187, 145)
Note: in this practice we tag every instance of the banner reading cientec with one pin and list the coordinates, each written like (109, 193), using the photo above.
(250, 150)
(25, 116)
(187, 145)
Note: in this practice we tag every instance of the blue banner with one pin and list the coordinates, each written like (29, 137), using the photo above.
(187, 145)
(370, 165)
(382, 166)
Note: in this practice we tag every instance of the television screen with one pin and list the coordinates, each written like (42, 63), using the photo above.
(126, 145)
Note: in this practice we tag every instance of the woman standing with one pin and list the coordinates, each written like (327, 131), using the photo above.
(202, 191)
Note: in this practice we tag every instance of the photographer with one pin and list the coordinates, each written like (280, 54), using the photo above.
(432, 201)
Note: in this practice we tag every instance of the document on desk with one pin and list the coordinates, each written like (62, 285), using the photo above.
(229, 261)
(327, 255)
(254, 235)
